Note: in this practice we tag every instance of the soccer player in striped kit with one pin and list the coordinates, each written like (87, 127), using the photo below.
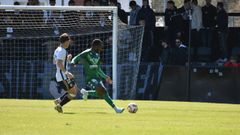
(64, 78)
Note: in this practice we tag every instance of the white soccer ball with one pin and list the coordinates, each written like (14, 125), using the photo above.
(132, 108)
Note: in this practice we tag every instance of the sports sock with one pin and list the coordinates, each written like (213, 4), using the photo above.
(108, 99)
(61, 98)
(92, 93)
(65, 100)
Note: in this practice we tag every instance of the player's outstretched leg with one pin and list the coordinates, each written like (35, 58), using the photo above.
(102, 92)
(108, 99)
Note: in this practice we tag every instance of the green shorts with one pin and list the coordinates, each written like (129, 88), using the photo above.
(93, 84)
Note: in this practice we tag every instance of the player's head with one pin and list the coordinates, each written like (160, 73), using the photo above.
(97, 45)
(65, 40)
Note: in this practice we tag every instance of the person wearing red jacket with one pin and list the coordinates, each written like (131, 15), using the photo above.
(232, 62)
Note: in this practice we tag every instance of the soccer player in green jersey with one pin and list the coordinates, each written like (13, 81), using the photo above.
(90, 59)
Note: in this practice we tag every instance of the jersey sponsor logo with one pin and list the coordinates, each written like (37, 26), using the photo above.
(93, 66)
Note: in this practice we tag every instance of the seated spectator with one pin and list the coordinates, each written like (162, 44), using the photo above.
(16, 3)
(232, 62)
(180, 53)
(166, 54)
(33, 3)
(71, 3)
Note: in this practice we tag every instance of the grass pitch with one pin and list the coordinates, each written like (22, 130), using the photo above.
(95, 117)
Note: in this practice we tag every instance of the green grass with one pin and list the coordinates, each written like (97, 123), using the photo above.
(94, 117)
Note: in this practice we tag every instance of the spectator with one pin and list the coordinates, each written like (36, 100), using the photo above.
(209, 22)
(95, 3)
(33, 3)
(170, 22)
(180, 53)
(134, 12)
(166, 54)
(122, 14)
(222, 25)
(71, 3)
(183, 24)
(196, 27)
(87, 3)
(232, 62)
(146, 17)
(103, 2)
(48, 15)
(16, 3)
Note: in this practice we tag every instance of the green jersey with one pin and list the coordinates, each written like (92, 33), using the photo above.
(91, 64)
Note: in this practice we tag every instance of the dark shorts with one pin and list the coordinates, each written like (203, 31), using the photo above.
(67, 84)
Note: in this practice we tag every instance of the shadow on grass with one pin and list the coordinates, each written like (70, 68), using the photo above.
(69, 113)
(98, 112)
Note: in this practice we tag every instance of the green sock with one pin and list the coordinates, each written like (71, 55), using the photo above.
(108, 99)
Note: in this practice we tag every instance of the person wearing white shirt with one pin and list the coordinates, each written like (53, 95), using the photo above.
(196, 26)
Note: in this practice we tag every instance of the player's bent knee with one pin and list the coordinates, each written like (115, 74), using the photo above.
(71, 96)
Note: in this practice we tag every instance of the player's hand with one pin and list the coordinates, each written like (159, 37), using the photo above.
(69, 75)
(69, 57)
(109, 80)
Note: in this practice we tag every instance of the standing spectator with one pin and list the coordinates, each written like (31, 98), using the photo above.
(122, 14)
(183, 24)
(170, 22)
(222, 25)
(134, 12)
(209, 22)
(48, 15)
(146, 17)
(196, 27)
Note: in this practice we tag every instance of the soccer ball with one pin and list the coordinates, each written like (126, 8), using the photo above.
(132, 108)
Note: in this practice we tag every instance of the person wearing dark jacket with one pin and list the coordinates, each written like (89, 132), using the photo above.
(209, 13)
(183, 21)
(170, 22)
(180, 53)
(166, 54)
(222, 27)
(146, 17)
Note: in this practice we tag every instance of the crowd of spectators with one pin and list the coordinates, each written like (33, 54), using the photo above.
(200, 22)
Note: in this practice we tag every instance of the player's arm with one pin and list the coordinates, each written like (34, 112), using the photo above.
(59, 63)
(79, 59)
(103, 75)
